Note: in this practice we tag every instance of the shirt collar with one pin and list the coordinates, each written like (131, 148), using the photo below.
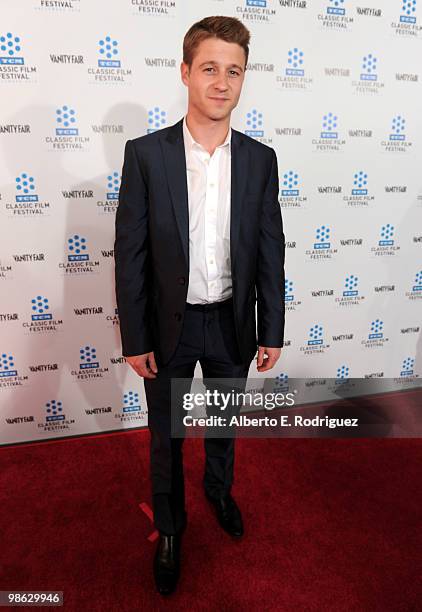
(190, 142)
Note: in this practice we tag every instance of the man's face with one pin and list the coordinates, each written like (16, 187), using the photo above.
(215, 78)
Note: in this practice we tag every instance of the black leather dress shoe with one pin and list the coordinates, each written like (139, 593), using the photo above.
(228, 514)
(167, 563)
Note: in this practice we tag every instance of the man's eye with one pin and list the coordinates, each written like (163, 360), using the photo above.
(209, 68)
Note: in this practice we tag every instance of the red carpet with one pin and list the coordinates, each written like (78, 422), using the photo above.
(329, 525)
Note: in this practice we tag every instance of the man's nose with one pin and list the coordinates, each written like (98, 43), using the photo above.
(221, 83)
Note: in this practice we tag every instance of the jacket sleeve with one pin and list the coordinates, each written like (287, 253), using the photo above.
(270, 277)
(131, 255)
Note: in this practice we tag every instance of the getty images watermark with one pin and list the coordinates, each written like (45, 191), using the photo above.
(283, 407)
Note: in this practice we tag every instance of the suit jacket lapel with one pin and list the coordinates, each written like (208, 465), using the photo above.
(175, 166)
(240, 169)
(173, 150)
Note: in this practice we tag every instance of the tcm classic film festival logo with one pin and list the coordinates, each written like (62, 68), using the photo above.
(89, 367)
(9, 376)
(64, 6)
(254, 123)
(155, 8)
(386, 245)
(350, 294)
(376, 337)
(406, 24)
(66, 133)
(315, 343)
(291, 301)
(27, 202)
(257, 11)
(397, 141)
(335, 15)
(54, 417)
(329, 139)
(109, 204)
(359, 195)
(293, 75)
(109, 67)
(13, 65)
(291, 194)
(131, 410)
(42, 319)
(322, 245)
(415, 292)
(78, 260)
(368, 81)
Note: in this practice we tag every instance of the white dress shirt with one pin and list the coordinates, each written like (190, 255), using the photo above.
(209, 199)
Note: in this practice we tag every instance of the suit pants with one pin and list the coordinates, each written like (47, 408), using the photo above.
(208, 336)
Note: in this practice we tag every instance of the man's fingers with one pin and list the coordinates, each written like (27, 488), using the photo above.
(152, 363)
(260, 358)
(143, 371)
(271, 358)
(141, 366)
(267, 365)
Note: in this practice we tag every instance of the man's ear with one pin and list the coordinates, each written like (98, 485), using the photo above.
(184, 73)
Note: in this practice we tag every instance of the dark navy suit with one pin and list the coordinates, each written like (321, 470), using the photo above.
(152, 275)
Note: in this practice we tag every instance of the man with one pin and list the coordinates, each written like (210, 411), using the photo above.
(199, 239)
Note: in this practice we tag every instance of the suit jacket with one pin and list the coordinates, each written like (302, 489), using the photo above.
(152, 244)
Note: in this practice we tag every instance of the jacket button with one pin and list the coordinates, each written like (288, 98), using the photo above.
(177, 316)
(182, 280)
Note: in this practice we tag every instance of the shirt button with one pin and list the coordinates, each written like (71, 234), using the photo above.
(212, 184)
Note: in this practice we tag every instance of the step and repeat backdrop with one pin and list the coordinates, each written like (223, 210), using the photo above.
(333, 86)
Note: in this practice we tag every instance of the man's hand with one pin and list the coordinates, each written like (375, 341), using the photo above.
(273, 355)
(144, 365)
